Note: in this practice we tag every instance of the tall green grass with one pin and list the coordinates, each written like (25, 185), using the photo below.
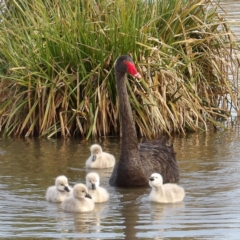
(57, 58)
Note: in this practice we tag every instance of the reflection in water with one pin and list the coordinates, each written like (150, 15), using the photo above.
(209, 164)
(231, 8)
(158, 213)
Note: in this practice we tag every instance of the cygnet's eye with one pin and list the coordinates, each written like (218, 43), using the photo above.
(61, 184)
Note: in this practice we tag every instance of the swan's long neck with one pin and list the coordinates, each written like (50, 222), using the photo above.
(128, 171)
(129, 149)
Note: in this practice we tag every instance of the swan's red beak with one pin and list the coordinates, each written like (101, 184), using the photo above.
(132, 70)
(137, 75)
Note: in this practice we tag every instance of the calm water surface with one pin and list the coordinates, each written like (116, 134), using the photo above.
(232, 9)
(210, 174)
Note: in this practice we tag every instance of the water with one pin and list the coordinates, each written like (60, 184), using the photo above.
(210, 174)
(232, 9)
(210, 168)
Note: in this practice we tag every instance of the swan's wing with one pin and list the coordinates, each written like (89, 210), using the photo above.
(158, 156)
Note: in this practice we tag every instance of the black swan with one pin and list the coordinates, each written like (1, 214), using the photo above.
(138, 161)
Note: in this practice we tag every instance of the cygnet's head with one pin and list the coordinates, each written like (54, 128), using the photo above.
(80, 191)
(92, 180)
(61, 184)
(96, 151)
(155, 180)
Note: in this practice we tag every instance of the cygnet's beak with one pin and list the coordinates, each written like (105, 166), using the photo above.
(93, 186)
(151, 178)
(66, 189)
(88, 196)
(94, 158)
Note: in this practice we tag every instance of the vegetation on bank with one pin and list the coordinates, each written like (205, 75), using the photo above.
(57, 58)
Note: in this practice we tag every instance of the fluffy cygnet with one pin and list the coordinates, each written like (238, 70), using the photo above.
(98, 194)
(79, 201)
(99, 159)
(164, 193)
(60, 191)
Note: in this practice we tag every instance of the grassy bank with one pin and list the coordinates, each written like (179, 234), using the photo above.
(57, 57)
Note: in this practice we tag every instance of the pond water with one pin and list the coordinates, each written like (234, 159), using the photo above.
(210, 173)
(232, 9)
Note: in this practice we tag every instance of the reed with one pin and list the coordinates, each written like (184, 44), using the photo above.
(57, 58)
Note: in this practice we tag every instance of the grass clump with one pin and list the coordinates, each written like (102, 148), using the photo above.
(57, 57)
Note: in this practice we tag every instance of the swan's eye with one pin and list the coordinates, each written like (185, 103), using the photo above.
(61, 184)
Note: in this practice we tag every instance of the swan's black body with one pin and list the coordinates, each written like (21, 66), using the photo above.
(138, 161)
